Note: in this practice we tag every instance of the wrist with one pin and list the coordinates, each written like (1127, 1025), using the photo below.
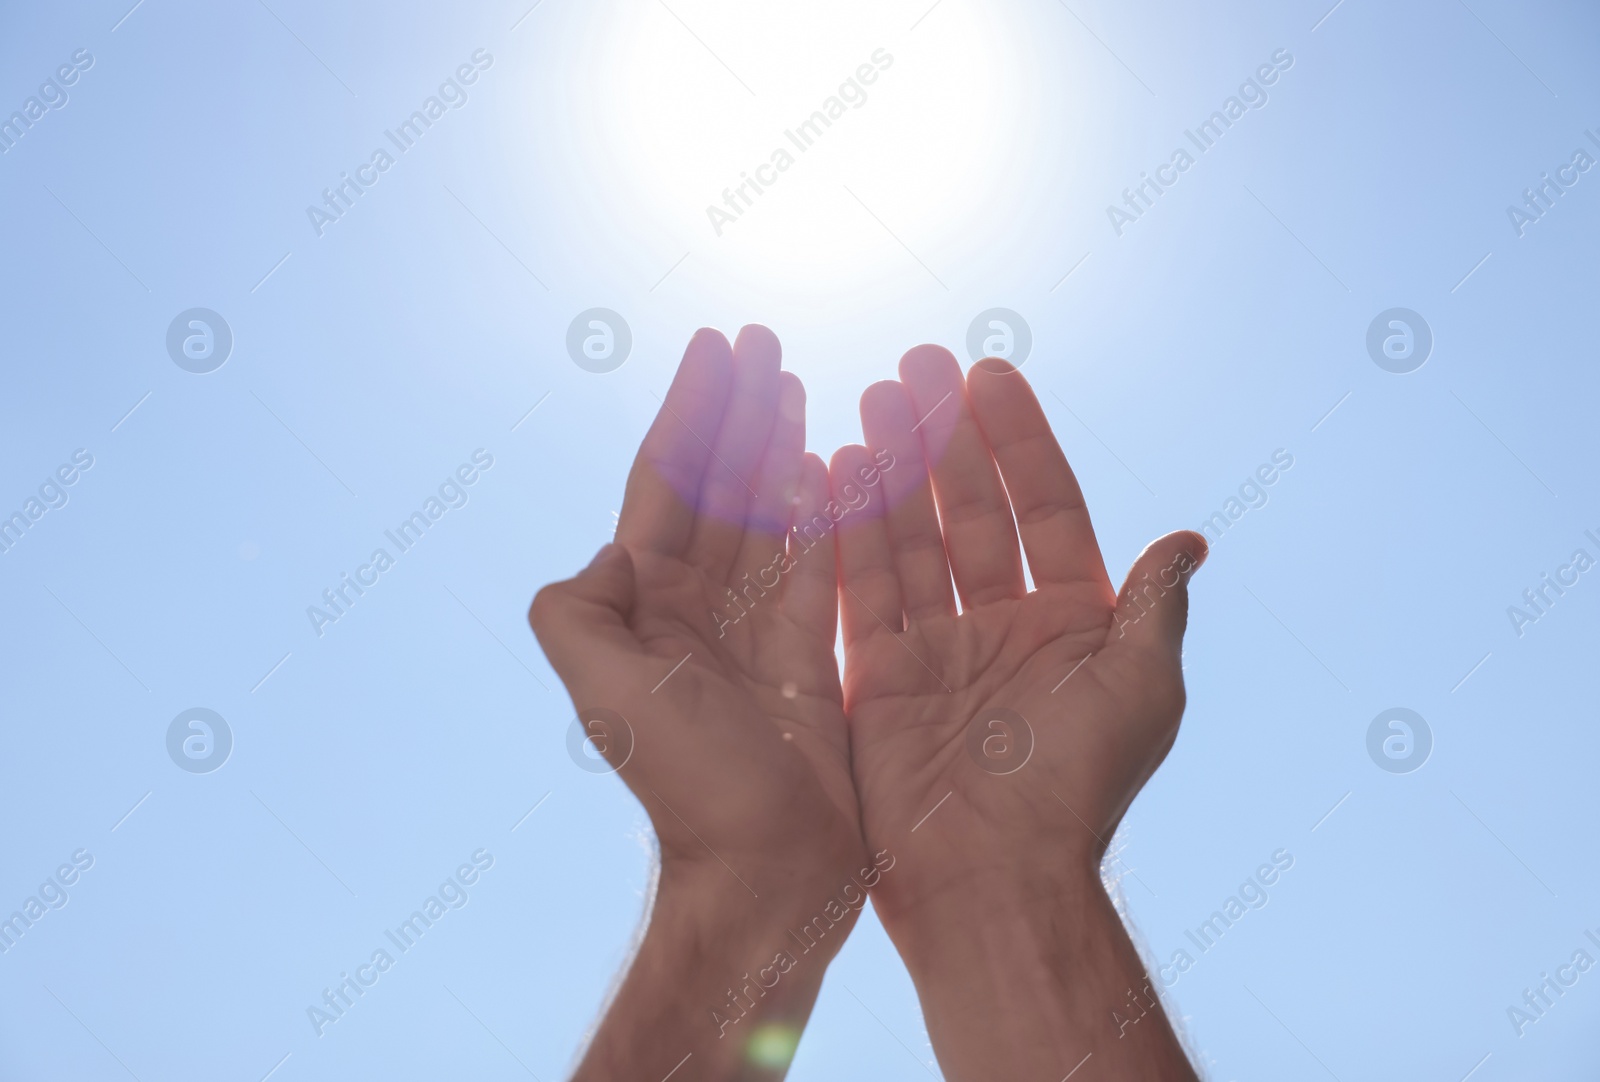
(1038, 970)
(925, 895)
(1018, 937)
(756, 914)
(724, 974)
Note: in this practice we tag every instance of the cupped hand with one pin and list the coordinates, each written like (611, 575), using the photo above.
(710, 630)
(996, 747)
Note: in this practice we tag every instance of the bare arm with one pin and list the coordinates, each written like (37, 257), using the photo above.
(1027, 720)
(719, 989)
(724, 718)
(1036, 982)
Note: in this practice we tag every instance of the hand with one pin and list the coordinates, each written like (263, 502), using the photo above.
(1003, 871)
(710, 629)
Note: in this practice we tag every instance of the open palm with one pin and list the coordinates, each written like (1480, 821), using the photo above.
(710, 631)
(1014, 733)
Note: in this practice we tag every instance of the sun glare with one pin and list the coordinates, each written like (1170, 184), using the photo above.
(786, 144)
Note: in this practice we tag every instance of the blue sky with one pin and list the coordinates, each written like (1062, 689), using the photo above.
(373, 357)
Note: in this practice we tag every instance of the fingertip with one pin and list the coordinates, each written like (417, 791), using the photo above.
(791, 398)
(707, 363)
(994, 381)
(928, 363)
(850, 478)
(708, 342)
(814, 486)
(1003, 401)
(885, 398)
(756, 343)
(992, 366)
(1183, 550)
(840, 462)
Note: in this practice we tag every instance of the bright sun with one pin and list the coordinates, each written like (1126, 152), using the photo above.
(787, 143)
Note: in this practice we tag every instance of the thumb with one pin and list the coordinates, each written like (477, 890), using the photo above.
(582, 623)
(1153, 604)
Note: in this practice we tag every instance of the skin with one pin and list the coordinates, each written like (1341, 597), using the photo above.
(996, 903)
(748, 788)
(750, 771)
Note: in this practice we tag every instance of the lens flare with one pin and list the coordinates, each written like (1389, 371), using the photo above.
(772, 1045)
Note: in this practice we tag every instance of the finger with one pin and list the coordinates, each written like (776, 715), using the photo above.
(658, 507)
(811, 594)
(1153, 605)
(727, 486)
(869, 590)
(582, 623)
(1050, 513)
(980, 538)
(919, 558)
(767, 520)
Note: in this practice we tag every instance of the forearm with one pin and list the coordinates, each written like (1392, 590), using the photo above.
(1031, 982)
(722, 986)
